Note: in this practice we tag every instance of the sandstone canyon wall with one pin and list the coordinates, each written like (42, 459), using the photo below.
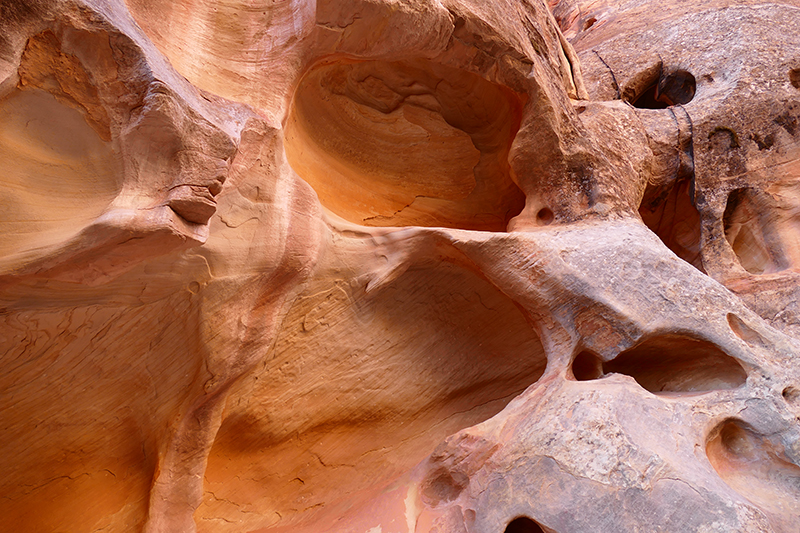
(399, 266)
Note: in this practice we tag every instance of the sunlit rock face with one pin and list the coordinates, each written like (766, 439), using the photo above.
(372, 266)
(406, 143)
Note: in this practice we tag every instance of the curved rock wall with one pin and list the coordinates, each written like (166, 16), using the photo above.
(380, 266)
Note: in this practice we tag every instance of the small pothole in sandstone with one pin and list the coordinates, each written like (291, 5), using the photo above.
(763, 143)
(523, 524)
(545, 216)
(791, 395)
(743, 331)
(674, 88)
(668, 363)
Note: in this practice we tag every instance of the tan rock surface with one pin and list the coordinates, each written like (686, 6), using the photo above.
(378, 266)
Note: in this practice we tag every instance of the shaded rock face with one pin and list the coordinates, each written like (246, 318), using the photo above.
(375, 266)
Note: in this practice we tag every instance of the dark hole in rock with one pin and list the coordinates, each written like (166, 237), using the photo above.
(676, 363)
(649, 100)
(791, 395)
(523, 525)
(675, 88)
(589, 23)
(673, 217)
(545, 216)
(794, 77)
(587, 366)
(748, 229)
(763, 143)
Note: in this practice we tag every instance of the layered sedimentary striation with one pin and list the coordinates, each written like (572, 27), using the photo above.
(370, 266)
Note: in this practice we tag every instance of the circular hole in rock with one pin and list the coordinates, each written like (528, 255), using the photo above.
(649, 100)
(402, 143)
(791, 395)
(545, 216)
(736, 440)
(587, 366)
(675, 88)
(523, 524)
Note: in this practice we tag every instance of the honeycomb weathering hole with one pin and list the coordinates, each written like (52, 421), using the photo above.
(759, 226)
(668, 364)
(545, 216)
(791, 395)
(523, 525)
(406, 143)
(755, 467)
(743, 331)
(648, 99)
(587, 366)
(675, 88)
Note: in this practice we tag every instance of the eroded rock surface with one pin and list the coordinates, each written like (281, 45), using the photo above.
(378, 266)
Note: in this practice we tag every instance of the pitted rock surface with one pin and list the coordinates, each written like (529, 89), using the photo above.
(382, 266)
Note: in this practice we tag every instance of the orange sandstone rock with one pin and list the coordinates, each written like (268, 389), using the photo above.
(372, 266)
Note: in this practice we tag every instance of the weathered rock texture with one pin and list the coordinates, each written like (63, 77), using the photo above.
(382, 266)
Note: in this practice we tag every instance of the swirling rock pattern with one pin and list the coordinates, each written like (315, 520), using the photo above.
(382, 266)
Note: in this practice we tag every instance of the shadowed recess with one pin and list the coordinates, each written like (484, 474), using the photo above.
(756, 467)
(674, 218)
(668, 363)
(587, 366)
(674, 88)
(744, 332)
(762, 227)
(523, 525)
(791, 395)
(406, 143)
(648, 100)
